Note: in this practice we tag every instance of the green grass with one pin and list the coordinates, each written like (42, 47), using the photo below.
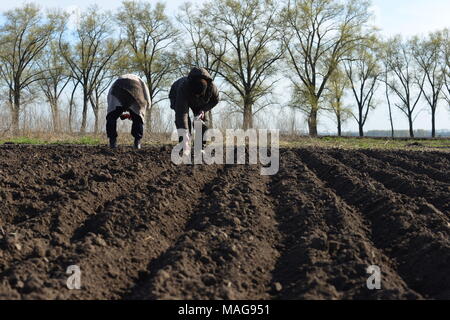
(285, 141)
(82, 140)
(22, 140)
(367, 143)
(85, 140)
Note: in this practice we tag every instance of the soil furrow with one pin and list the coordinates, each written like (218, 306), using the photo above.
(114, 246)
(400, 228)
(137, 228)
(439, 161)
(140, 227)
(400, 180)
(327, 247)
(409, 164)
(229, 249)
(46, 237)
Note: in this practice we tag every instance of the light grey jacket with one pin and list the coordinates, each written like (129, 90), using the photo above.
(140, 109)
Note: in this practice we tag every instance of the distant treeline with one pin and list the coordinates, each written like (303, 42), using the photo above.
(328, 50)
(377, 134)
(401, 133)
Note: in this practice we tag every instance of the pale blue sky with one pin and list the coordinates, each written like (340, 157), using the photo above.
(410, 17)
(394, 16)
(407, 17)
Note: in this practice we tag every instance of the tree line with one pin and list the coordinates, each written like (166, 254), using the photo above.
(328, 50)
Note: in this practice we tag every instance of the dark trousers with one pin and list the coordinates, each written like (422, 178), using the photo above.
(137, 128)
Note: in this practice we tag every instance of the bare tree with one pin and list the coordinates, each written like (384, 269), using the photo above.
(55, 79)
(334, 96)
(104, 80)
(149, 35)
(407, 80)
(91, 51)
(428, 55)
(199, 46)
(319, 35)
(247, 29)
(388, 100)
(446, 64)
(385, 79)
(72, 106)
(23, 37)
(363, 72)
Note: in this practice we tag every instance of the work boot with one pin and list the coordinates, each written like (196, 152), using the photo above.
(137, 144)
(113, 143)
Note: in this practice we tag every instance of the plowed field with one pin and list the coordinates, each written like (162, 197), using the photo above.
(140, 227)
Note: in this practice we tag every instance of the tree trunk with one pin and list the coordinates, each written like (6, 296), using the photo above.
(390, 111)
(70, 114)
(148, 119)
(361, 130)
(339, 126)
(248, 117)
(15, 121)
(84, 115)
(312, 123)
(360, 121)
(55, 116)
(312, 119)
(411, 126)
(71, 107)
(15, 113)
(433, 123)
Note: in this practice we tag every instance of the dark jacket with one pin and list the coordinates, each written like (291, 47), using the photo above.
(181, 99)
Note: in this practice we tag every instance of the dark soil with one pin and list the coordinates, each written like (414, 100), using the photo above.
(140, 227)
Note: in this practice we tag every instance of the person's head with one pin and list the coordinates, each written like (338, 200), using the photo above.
(198, 86)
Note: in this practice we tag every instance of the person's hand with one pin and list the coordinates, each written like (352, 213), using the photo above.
(125, 116)
(200, 116)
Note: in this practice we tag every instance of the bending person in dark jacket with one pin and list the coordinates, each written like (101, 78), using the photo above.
(197, 92)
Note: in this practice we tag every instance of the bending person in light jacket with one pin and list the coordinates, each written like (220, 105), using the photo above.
(127, 94)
